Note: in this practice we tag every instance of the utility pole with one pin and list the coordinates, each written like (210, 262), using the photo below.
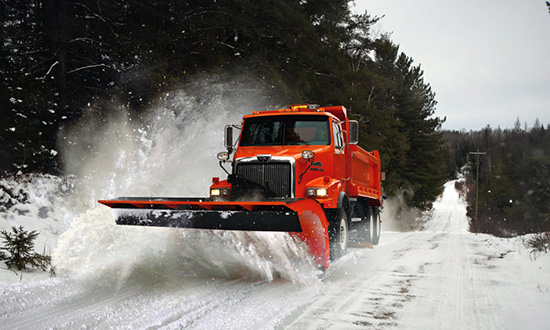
(477, 153)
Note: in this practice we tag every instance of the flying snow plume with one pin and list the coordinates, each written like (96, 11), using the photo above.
(169, 151)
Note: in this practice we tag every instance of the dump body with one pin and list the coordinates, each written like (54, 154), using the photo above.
(297, 170)
(365, 174)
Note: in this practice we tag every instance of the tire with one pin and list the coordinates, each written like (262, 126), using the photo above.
(339, 235)
(365, 226)
(376, 225)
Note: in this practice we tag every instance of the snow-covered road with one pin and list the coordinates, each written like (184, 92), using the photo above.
(440, 278)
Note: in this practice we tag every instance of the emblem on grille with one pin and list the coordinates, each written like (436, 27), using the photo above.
(263, 158)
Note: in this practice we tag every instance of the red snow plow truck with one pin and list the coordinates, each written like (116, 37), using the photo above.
(296, 170)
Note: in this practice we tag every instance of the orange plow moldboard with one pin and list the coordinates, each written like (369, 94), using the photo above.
(314, 230)
(303, 218)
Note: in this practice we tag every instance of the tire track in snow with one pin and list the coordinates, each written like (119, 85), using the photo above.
(178, 312)
(455, 292)
(131, 307)
(354, 299)
(73, 305)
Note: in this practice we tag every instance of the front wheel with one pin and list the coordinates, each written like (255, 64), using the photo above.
(338, 235)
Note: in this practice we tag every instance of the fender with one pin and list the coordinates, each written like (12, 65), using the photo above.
(334, 188)
(343, 202)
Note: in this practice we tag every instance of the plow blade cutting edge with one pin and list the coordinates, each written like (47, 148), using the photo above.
(302, 218)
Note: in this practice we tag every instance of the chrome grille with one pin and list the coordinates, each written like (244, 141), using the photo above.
(275, 176)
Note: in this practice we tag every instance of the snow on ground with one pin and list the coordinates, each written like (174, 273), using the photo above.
(440, 278)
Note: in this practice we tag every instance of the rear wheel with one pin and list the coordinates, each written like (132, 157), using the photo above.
(338, 235)
(365, 226)
(376, 225)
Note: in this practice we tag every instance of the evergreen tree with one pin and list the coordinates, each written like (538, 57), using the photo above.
(20, 246)
(514, 180)
(404, 107)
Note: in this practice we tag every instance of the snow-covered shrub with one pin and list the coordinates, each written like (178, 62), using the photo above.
(538, 243)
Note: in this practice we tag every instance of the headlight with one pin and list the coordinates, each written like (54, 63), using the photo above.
(317, 192)
(217, 192)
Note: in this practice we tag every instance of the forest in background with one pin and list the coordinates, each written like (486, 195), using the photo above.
(514, 177)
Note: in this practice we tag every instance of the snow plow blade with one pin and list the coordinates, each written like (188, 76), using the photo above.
(303, 218)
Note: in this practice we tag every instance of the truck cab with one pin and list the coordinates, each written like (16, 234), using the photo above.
(298, 152)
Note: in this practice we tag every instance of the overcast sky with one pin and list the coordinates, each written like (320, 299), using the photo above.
(488, 61)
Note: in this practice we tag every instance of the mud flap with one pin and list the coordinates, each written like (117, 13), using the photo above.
(302, 218)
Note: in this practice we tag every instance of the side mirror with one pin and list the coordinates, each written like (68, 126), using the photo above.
(353, 132)
(228, 138)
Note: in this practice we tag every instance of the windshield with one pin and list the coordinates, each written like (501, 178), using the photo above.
(285, 130)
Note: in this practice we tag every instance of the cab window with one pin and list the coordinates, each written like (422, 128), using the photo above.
(286, 130)
(337, 133)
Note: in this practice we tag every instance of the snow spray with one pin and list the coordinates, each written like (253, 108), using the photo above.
(169, 151)
(398, 216)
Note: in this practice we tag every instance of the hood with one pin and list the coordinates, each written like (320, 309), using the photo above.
(279, 151)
